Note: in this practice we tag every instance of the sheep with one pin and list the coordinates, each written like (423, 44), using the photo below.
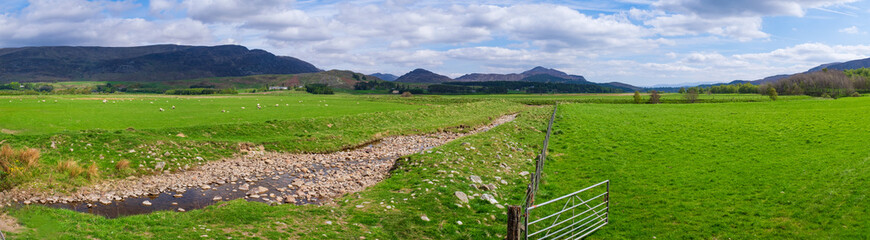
(104, 100)
(161, 109)
(173, 107)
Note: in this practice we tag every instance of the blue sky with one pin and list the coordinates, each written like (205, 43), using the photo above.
(641, 42)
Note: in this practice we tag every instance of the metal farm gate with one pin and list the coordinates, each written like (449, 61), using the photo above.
(581, 213)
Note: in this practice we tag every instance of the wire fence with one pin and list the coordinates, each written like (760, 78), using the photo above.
(582, 213)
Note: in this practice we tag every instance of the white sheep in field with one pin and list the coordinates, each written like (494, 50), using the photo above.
(161, 109)
(104, 100)
(243, 107)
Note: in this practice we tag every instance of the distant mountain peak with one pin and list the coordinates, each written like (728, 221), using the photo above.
(145, 63)
(420, 75)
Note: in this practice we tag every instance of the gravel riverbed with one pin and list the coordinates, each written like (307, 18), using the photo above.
(309, 177)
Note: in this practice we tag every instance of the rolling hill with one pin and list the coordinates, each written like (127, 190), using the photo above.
(143, 64)
(385, 76)
(422, 76)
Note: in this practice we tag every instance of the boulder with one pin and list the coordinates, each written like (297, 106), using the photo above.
(461, 196)
(475, 179)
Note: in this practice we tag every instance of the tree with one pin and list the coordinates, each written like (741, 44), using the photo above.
(682, 90)
(692, 95)
(637, 98)
(772, 93)
(654, 97)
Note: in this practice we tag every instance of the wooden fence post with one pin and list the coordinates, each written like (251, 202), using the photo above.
(513, 228)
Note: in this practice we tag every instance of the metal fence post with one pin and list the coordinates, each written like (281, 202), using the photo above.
(607, 200)
(513, 228)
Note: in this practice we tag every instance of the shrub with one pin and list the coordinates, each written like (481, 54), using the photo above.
(855, 94)
(637, 98)
(317, 88)
(654, 97)
(7, 156)
(122, 165)
(691, 95)
(93, 171)
(70, 166)
(29, 157)
(407, 94)
(771, 92)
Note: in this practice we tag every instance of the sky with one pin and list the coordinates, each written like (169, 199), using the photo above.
(640, 42)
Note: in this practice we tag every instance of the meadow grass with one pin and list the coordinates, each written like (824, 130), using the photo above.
(416, 188)
(56, 113)
(785, 169)
(790, 170)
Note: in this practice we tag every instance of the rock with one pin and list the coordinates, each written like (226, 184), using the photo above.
(27, 202)
(105, 201)
(503, 182)
(487, 187)
(425, 218)
(475, 179)
(261, 190)
(146, 203)
(181, 209)
(360, 206)
(489, 198)
(174, 204)
(499, 206)
(180, 135)
(328, 222)
(458, 222)
(205, 187)
(462, 197)
(217, 198)
(523, 173)
(178, 195)
(159, 165)
(244, 187)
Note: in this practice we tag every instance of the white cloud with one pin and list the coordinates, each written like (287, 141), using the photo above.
(851, 30)
(816, 53)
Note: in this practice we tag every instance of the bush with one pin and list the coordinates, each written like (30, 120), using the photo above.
(317, 88)
(122, 165)
(70, 166)
(637, 98)
(771, 92)
(691, 95)
(30, 157)
(855, 94)
(407, 94)
(654, 97)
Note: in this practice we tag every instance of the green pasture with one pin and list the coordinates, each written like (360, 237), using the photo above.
(795, 169)
(776, 170)
(51, 113)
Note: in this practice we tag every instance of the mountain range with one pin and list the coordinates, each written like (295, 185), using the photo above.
(854, 64)
(536, 74)
(144, 64)
(385, 76)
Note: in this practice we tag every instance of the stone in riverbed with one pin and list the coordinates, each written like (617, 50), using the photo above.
(205, 187)
(217, 198)
(181, 209)
(245, 187)
(178, 195)
(146, 203)
(159, 165)
(105, 201)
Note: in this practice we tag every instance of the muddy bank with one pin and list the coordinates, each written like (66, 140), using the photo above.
(276, 178)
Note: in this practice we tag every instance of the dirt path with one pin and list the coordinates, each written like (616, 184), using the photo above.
(262, 176)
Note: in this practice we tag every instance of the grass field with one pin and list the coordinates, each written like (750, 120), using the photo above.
(747, 170)
(30, 115)
(780, 170)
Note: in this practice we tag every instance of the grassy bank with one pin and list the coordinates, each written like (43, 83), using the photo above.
(422, 184)
(324, 124)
